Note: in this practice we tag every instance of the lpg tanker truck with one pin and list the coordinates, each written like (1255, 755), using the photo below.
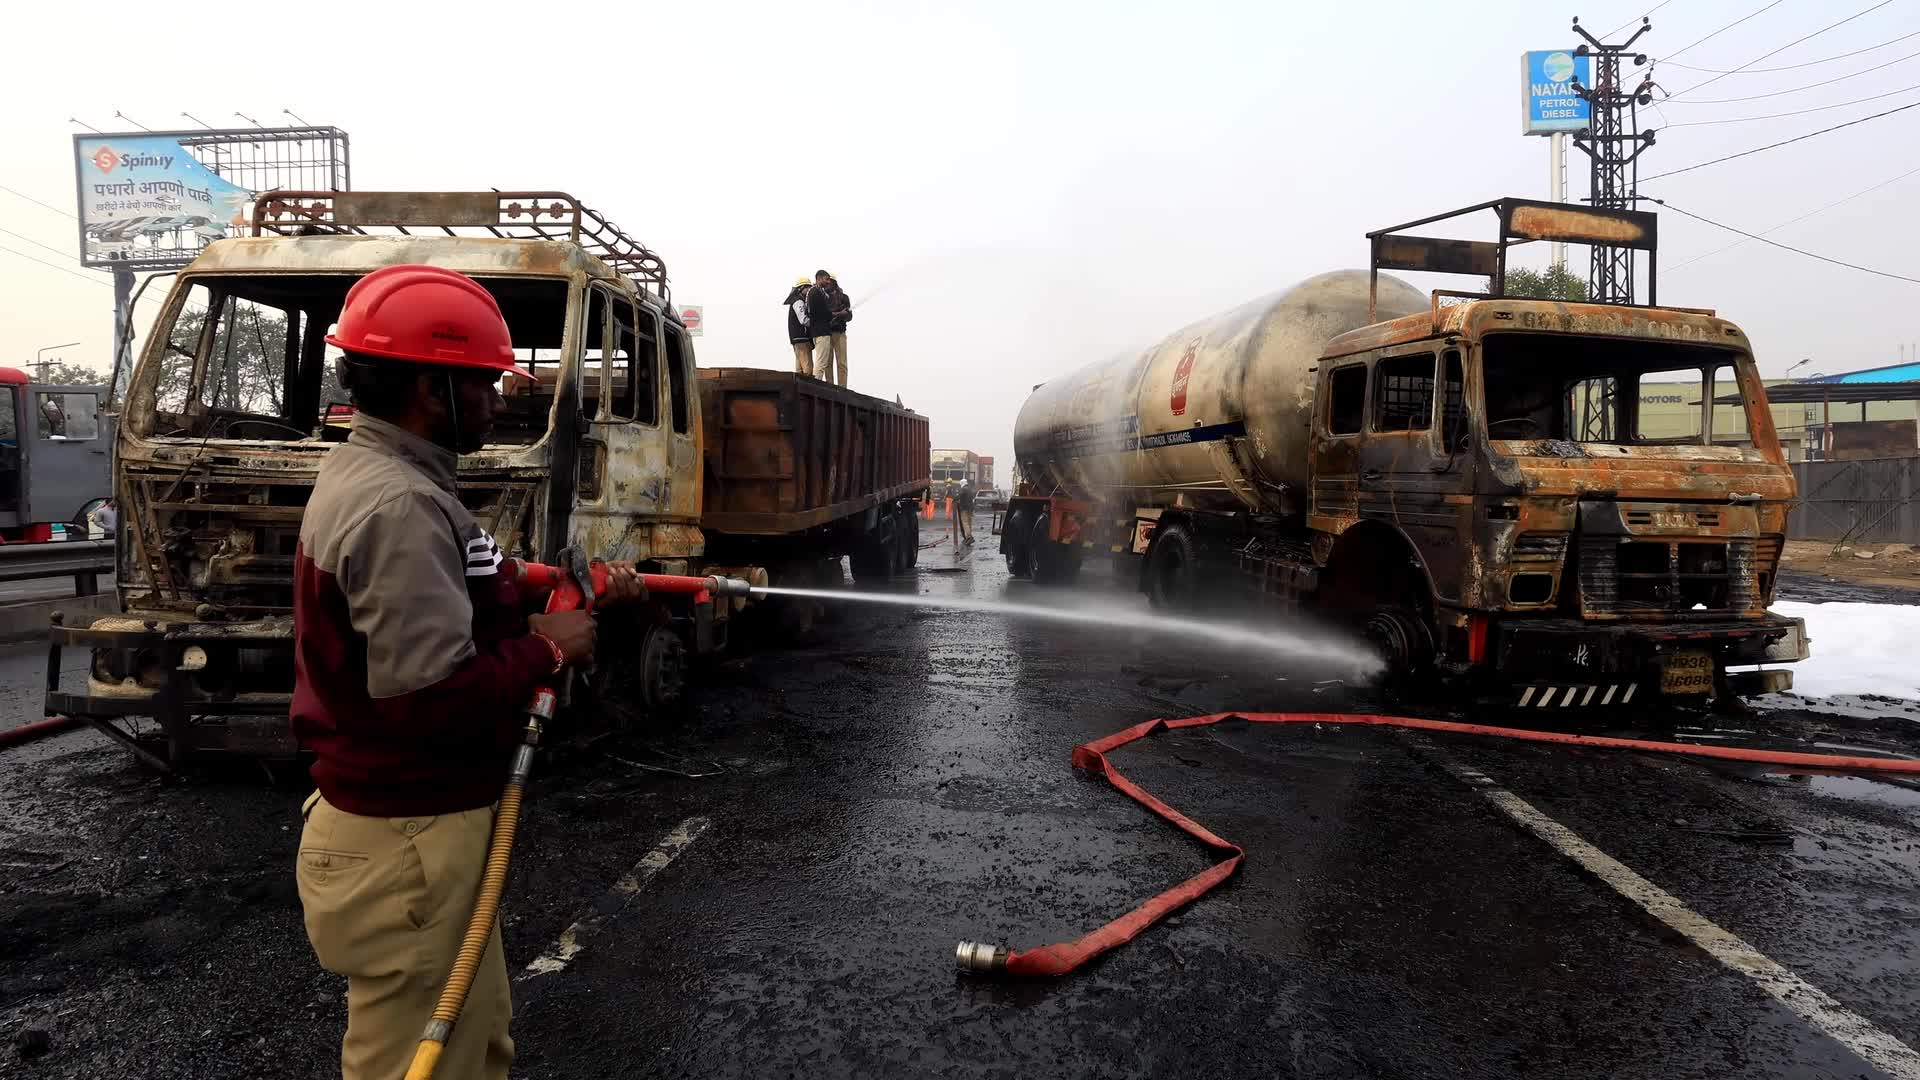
(1463, 479)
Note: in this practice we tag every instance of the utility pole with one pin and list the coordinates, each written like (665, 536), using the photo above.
(1613, 144)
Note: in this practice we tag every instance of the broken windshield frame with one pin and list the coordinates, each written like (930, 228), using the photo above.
(216, 364)
(1594, 390)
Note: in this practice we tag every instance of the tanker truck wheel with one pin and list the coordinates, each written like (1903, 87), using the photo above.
(1173, 569)
(1020, 557)
(1048, 559)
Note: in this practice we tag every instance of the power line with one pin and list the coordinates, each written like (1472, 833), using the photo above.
(1639, 18)
(1783, 142)
(1798, 220)
(1809, 86)
(1784, 48)
(38, 244)
(1795, 67)
(55, 266)
(1787, 247)
(36, 202)
(1796, 112)
(1729, 26)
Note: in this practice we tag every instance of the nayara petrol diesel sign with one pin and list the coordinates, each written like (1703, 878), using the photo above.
(1548, 102)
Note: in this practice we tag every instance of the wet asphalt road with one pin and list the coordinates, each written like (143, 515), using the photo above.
(902, 782)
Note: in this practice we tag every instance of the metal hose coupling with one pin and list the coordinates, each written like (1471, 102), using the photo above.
(979, 958)
(730, 586)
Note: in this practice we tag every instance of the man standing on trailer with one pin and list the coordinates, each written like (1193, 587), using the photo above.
(797, 333)
(820, 324)
(413, 661)
(842, 315)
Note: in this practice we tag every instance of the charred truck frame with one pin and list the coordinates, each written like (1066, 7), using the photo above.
(618, 446)
(1467, 482)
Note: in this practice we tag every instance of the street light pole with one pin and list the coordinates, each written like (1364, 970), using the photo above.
(42, 364)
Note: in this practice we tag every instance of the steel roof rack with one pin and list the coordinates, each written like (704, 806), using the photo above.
(513, 215)
(1521, 220)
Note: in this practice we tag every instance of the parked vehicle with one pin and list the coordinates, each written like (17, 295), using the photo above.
(55, 465)
(618, 445)
(1465, 484)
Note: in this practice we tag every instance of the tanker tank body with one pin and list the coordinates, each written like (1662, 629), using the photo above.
(1208, 429)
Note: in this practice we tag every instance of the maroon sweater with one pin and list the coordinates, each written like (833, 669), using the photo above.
(412, 660)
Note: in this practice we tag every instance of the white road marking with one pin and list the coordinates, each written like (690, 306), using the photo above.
(573, 940)
(1808, 1001)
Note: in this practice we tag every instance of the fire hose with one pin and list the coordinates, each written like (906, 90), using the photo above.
(574, 585)
(1048, 961)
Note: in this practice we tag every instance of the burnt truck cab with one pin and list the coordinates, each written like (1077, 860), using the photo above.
(233, 404)
(1485, 479)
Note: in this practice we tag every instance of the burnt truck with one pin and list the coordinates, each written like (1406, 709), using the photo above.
(618, 445)
(1464, 479)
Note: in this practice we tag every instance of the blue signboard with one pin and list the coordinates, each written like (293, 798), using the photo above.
(1548, 102)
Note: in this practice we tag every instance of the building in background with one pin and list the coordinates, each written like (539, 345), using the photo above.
(955, 466)
(985, 483)
(1868, 413)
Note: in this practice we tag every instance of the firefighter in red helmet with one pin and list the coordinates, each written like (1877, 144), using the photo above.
(413, 655)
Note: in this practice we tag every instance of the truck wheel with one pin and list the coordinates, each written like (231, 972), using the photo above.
(1014, 539)
(876, 558)
(1405, 646)
(645, 683)
(1043, 554)
(910, 523)
(1173, 569)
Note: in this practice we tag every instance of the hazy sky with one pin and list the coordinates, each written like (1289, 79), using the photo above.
(1007, 190)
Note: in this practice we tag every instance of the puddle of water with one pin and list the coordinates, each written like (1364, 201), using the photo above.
(1863, 789)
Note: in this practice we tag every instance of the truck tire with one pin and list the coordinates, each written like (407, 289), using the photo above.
(1173, 569)
(911, 535)
(643, 680)
(1054, 563)
(875, 559)
(1020, 552)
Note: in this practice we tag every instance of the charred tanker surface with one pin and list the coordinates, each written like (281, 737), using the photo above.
(1467, 484)
(233, 405)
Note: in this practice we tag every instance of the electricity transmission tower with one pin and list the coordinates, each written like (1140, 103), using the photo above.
(1613, 144)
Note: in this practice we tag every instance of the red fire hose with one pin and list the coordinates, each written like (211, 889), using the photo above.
(1059, 959)
(39, 729)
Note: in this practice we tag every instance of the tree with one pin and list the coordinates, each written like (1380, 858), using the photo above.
(1553, 283)
(61, 373)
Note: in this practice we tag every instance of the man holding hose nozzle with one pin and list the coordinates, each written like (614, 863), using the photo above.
(413, 660)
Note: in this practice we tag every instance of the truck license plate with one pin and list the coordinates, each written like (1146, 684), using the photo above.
(1687, 673)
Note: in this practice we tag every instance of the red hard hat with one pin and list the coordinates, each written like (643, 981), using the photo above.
(426, 315)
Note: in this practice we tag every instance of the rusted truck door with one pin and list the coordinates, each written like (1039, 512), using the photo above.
(1412, 468)
(683, 422)
(625, 475)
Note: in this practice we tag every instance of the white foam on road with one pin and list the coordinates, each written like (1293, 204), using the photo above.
(1857, 649)
(1809, 1002)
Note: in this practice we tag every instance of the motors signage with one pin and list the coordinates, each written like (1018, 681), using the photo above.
(1548, 102)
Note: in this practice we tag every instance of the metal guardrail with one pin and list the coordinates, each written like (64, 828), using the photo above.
(85, 560)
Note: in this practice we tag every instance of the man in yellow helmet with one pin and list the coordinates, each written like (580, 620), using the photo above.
(797, 332)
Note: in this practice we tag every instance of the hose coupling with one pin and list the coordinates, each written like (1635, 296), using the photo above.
(979, 958)
(729, 586)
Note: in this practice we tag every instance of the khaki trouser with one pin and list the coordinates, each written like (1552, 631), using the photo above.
(823, 361)
(386, 902)
(803, 357)
(840, 356)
